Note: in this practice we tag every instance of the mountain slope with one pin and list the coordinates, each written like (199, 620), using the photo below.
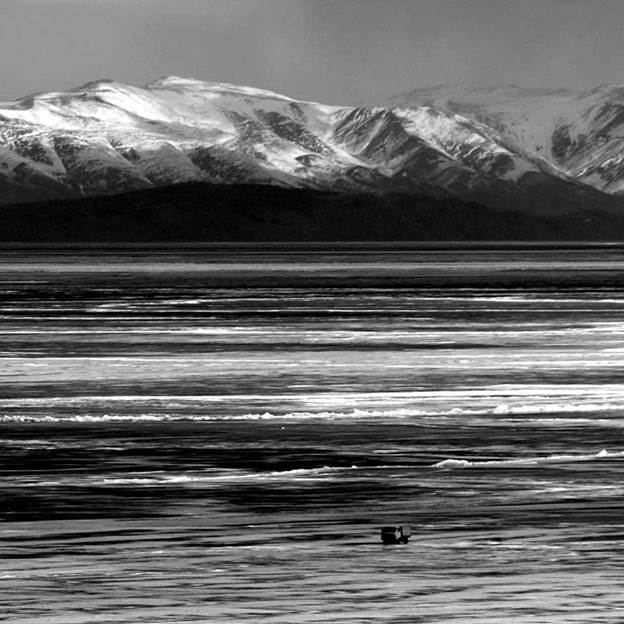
(581, 134)
(106, 137)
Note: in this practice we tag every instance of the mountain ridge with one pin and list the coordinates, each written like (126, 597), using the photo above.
(579, 132)
(106, 137)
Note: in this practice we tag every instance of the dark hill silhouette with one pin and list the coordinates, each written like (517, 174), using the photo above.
(200, 212)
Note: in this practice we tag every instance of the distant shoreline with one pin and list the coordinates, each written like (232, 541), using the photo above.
(326, 246)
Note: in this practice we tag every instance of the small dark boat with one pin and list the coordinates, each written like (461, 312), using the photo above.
(395, 535)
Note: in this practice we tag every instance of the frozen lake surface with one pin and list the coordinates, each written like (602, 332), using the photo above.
(218, 434)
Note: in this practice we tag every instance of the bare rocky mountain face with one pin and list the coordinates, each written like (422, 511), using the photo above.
(544, 153)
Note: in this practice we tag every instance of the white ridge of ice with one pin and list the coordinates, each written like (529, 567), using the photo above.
(527, 461)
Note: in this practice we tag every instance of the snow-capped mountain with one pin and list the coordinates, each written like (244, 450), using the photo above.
(581, 134)
(106, 137)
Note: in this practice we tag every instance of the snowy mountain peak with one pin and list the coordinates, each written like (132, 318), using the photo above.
(579, 133)
(505, 147)
(94, 85)
(178, 83)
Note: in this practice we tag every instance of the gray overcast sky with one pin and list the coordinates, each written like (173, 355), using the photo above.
(336, 51)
